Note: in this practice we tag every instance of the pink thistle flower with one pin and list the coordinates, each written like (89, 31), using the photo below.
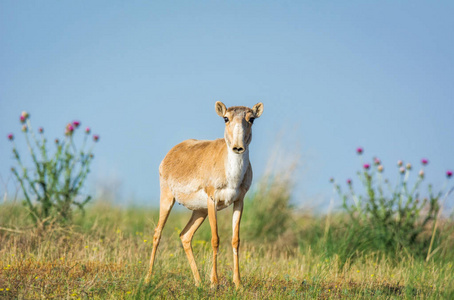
(424, 161)
(402, 170)
(41, 130)
(366, 166)
(380, 168)
(69, 129)
(95, 137)
(87, 130)
(10, 137)
(359, 150)
(449, 173)
(24, 116)
(349, 181)
(400, 163)
(377, 161)
(76, 123)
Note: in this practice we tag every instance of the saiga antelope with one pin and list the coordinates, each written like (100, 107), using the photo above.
(207, 176)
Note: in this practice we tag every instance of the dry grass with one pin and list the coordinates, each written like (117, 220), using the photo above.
(106, 256)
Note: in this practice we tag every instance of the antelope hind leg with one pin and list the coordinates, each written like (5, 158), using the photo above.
(166, 204)
(186, 235)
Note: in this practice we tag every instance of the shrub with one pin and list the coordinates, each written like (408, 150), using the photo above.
(390, 218)
(53, 185)
(268, 213)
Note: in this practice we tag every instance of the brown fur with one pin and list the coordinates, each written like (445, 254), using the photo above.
(207, 176)
(183, 162)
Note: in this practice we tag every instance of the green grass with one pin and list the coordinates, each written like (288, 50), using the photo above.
(106, 254)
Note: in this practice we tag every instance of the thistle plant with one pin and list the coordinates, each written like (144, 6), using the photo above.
(386, 217)
(52, 187)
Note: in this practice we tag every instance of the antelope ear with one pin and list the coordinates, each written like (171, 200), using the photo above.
(258, 109)
(220, 108)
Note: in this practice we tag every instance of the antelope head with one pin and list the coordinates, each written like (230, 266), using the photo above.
(238, 124)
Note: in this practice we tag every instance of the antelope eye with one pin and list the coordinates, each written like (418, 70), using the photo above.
(251, 120)
(226, 119)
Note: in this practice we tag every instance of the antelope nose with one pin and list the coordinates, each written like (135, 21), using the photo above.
(238, 150)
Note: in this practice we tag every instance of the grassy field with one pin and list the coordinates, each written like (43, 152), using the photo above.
(106, 253)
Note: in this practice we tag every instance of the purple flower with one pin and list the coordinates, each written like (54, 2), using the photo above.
(402, 170)
(76, 123)
(366, 166)
(24, 116)
(10, 137)
(41, 130)
(377, 161)
(349, 181)
(449, 173)
(424, 161)
(87, 130)
(359, 150)
(69, 129)
(95, 137)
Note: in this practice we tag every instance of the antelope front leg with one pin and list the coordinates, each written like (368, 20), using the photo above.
(237, 211)
(212, 216)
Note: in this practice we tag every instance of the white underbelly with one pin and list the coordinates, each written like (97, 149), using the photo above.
(199, 200)
(193, 201)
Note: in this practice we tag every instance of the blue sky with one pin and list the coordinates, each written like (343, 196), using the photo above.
(145, 75)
